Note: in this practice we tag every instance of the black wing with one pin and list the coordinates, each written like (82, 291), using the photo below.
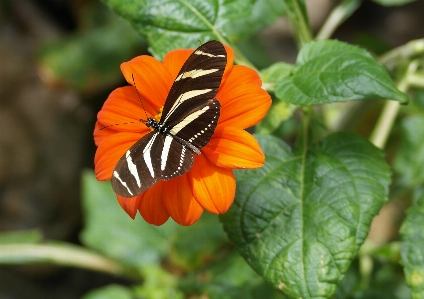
(198, 79)
(196, 125)
(154, 157)
(190, 115)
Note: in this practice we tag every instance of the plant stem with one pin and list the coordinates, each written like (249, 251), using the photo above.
(62, 255)
(239, 58)
(384, 124)
(416, 80)
(410, 49)
(337, 16)
(297, 17)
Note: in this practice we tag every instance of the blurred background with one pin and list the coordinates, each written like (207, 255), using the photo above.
(59, 60)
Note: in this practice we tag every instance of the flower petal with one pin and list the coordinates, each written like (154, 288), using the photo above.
(243, 106)
(240, 75)
(174, 60)
(122, 107)
(179, 201)
(151, 206)
(213, 187)
(234, 148)
(110, 151)
(230, 62)
(152, 79)
(101, 133)
(120, 114)
(129, 205)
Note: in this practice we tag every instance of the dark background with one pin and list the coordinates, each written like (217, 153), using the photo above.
(46, 123)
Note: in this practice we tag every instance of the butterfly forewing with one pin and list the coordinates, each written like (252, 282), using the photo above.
(199, 78)
(188, 120)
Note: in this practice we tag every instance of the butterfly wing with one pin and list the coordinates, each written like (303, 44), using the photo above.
(198, 79)
(197, 125)
(139, 168)
(190, 115)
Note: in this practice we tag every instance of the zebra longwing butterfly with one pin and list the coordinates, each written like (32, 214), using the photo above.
(188, 120)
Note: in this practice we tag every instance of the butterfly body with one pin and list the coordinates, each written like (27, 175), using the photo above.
(189, 118)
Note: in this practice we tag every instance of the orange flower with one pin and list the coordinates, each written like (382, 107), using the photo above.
(210, 183)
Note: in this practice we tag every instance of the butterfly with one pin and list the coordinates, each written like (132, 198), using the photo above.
(189, 118)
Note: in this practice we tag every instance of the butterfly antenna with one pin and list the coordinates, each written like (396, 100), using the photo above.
(127, 123)
(139, 97)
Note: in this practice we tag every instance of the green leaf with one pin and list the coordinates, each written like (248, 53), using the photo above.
(333, 71)
(393, 2)
(277, 114)
(111, 231)
(412, 250)
(110, 292)
(158, 284)
(231, 278)
(298, 18)
(301, 218)
(410, 156)
(186, 23)
(262, 14)
(275, 73)
(88, 61)
(19, 237)
(198, 244)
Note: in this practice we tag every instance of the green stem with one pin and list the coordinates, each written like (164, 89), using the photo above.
(297, 17)
(61, 255)
(387, 118)
(416, 80)
(239, 57)
(337, 16)
(385, 122)
(394, 56)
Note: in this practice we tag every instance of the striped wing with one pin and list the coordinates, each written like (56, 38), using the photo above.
(154, 157)
(189, 116)
(196, 125)
(198, 80)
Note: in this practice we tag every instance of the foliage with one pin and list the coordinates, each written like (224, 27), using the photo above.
(298, 226)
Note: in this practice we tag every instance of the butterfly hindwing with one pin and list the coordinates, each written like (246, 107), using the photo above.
(139, 168)
(198, 124)
(131, 175)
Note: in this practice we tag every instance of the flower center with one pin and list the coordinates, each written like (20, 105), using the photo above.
(158, 115)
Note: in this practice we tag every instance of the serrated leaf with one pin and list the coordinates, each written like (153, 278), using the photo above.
(186, 23)
(412, 250)
(332, 71)
(410, 156)
(110, 231)
(301, 218)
